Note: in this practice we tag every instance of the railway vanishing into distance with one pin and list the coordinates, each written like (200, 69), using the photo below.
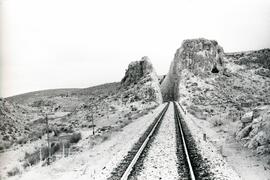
(181, 155)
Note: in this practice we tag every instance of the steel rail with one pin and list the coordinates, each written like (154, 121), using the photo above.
(139, 152)
(191, 172)
(182, 108)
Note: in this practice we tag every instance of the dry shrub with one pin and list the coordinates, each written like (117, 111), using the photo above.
(1, 147)
(13, 172)
(34, 158)
(217, 122)
(124, 123)
(22, 140)
(196, 112)
(184, 103)
(35, 135)
(98, 139)
(75, 137)
(5, 145)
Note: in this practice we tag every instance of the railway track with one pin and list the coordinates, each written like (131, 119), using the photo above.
(185, 168)
(190, 165)
(198, 164)
(126, 165)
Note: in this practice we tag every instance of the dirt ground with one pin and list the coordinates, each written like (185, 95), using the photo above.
(245, 162)
(96, 162)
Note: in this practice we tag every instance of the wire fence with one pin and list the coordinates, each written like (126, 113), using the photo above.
(45, 155)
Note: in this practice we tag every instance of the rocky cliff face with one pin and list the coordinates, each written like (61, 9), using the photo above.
(141, 82)
(137, 70)
(199, 56)
(229, 90)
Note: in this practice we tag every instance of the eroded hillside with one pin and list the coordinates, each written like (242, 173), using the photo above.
(89, 116)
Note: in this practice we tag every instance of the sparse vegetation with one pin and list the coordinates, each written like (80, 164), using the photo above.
(217, 122)
(22, 140)
(75, 137)
(13, 172)
(41, 102)
(196, 111)
(34, 157)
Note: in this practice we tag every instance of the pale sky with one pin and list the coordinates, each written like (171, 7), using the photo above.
(47, 44)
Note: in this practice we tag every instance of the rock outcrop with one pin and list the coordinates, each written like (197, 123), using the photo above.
(229, 90)
(199, 56)
(141, 82)
(137, 70)
(255, 133)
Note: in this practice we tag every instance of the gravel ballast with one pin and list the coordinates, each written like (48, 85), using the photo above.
(160, 161)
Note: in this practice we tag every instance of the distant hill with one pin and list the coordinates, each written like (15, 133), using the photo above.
(31, 96)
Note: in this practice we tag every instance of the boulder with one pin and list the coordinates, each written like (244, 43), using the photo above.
(247, 117)
(244, 132)
(259, 139)
(255, 131)
(256, 127)
(263, 149)
(259, 110)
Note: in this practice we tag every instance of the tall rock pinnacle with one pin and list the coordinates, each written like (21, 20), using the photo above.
(142, 81)
(201, 57)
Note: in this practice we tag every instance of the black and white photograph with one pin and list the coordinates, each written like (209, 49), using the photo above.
(134, 90)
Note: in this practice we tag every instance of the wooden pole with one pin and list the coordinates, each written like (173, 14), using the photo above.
(63, 153)
(48, 138)
(204, 136)
(40, 155)
(93, 124)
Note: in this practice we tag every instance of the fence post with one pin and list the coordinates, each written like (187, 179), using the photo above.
(63, 152)
(204, 136)
(48, 138)
(40, 155)
(93, 124)
(221, 150)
